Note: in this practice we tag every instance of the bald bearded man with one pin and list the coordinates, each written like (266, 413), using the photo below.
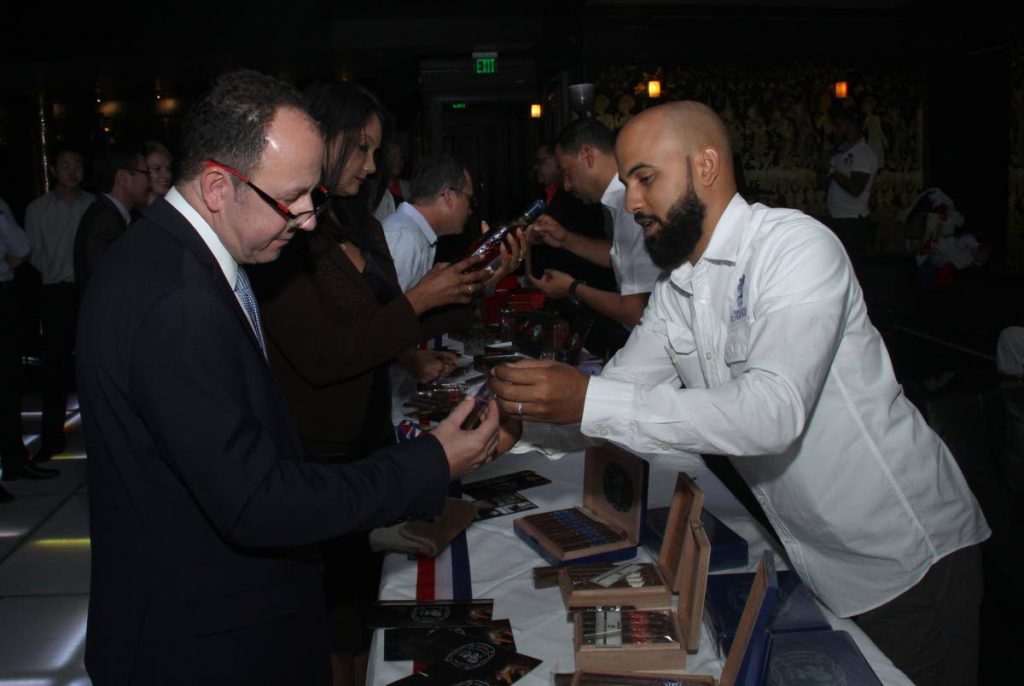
(756, 345)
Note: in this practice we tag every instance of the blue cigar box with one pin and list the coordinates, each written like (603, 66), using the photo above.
(823, 658)
(748, 655)
(728, 548)
(607, 527)
(795, 609)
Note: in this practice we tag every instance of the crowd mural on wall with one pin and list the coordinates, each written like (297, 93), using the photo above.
(779, 118)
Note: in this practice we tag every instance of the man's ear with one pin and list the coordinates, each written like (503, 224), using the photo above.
(587, 153)
(709, 166)
(216, 188)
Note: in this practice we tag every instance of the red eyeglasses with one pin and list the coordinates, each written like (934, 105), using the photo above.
(293, 220)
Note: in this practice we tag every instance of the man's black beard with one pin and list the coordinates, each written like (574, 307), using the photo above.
(678, 233)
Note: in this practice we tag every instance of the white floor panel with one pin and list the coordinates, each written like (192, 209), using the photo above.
(55, 559)
(42, 640)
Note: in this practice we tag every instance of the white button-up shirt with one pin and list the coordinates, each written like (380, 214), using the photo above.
(783, 371)
(13, 241)
(412, 243)
(51, 223)
(634, 271)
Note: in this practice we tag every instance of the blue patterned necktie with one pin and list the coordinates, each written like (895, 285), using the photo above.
(245, 296)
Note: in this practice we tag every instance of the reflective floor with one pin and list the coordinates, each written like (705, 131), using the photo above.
(44, 568)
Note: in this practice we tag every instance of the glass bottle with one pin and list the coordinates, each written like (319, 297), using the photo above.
(488, 246)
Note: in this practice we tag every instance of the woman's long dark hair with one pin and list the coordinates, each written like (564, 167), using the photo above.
(342, 110)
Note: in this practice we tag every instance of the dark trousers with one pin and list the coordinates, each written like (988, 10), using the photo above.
(931, 631)
(58, 309)
(12, 449)
(857, 236)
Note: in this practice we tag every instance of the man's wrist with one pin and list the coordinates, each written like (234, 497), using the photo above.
(573, 295)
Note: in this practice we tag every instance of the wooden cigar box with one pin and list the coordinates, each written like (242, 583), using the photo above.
(625, 679)
(681, 567)
(628, 640)
(638, 665)
(607, 526)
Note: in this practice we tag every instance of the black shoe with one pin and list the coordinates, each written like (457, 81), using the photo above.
(5, 495)
(29, 471)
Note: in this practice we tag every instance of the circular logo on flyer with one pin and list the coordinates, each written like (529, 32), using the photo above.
(471, 655)
(805, 667)
(618, 487)
(430, 615)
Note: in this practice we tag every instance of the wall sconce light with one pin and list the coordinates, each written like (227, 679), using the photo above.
(841, 89)
(536, 110)
(654, 89)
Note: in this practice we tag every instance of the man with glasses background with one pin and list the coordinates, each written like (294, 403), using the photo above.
(203, 512)
(122, 179)
(439, 203)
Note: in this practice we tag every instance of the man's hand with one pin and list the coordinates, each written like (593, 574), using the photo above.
(428, 365)
(547, 230)
(513, 251)
(468, 450)
(554, 283)
(510, 430)
(541, 390)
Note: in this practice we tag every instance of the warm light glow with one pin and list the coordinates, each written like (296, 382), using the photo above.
(111, 108)
(654, 89)
(168, 106)
(536, 110)
(63, 542)
(841, 89)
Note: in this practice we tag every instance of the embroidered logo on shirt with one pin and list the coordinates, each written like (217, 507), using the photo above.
(741, 309)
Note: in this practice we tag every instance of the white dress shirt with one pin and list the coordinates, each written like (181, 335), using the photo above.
(51, 223)
(227, 263)
(412, 243)
(13, 241)
(763, 351)
(634, 271)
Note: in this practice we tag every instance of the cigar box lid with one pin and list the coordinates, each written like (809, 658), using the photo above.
(615, 488)
(588, 678)
(746, 662)
(680, 543)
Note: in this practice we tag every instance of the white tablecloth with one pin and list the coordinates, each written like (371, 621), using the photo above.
(502, 569)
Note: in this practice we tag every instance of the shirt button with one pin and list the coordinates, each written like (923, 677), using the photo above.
(707, 355)
(602, 431)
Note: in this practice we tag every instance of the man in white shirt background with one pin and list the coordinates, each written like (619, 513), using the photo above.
(758, 346)
(51, 222)
(585, 152)
(851, 169)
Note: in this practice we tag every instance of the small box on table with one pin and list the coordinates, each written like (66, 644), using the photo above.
(608, 525)
(682, 567)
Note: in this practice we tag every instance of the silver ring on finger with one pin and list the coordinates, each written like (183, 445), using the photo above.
(519, 409)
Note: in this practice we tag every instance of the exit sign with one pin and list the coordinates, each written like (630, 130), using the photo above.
(485, 63)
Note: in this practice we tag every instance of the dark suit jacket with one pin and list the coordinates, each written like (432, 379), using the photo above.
(202, 509)
(100, 226)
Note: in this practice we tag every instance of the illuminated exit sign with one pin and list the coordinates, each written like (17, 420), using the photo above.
(485, 63)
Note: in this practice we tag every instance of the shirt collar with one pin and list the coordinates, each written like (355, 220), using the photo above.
(724, 246)
(614, 195)
(125, 214)
(421, 222)
(227, 263)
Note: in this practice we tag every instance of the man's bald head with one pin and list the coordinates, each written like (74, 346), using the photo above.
(676, 163)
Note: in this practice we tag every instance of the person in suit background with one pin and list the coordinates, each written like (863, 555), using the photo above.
(122, 179)
(204, 515)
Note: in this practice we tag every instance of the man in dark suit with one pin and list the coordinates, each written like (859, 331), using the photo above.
(122, 178)
(203, 512)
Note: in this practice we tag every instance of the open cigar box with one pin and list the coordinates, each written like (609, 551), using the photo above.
(630, 648)
(607, 526)
(681, 567)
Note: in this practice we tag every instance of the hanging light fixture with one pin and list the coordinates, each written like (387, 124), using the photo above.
(536, 111)
(654, 88)
(841, 90)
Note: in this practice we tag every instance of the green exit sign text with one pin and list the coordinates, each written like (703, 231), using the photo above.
(485, 63)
